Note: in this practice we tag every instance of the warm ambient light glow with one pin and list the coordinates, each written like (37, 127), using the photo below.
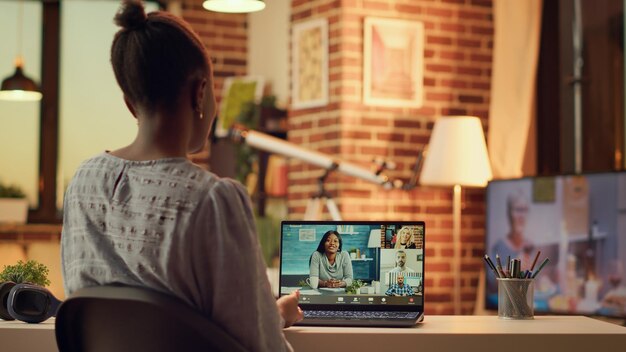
(234, 6)
(20, 95)
(457, 154)
(19, 87)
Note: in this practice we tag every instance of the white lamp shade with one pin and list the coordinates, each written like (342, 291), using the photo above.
(374, 239)
(234, 6)
(457, 154)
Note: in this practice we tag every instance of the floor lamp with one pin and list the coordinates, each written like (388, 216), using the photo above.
(457, 156)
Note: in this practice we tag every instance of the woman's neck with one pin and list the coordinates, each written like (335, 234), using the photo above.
(159, 136)
(331, 257)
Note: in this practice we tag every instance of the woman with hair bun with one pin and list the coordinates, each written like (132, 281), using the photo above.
(144, 215)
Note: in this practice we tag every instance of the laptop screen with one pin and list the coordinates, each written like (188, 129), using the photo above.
(353, 263)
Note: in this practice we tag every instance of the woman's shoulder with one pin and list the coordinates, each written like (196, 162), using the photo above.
(226, 190)
(227, 184)
(191, 178)
(345, 255)
(100, 160)
(228, 201)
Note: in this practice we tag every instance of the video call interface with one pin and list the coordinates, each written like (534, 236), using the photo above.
(363, 264)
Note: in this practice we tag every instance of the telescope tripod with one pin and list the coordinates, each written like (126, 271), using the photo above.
(322, 197)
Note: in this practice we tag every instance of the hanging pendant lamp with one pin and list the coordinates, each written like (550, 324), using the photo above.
(18, 86)
(234, 6)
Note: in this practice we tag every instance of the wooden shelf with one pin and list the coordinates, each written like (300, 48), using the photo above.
(269, 118)
(30, 232)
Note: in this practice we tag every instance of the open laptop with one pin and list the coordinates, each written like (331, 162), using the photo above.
(378, 266)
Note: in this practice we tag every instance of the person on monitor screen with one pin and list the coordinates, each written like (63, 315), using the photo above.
(404, 239)
(145, 215)
(400, 288)
(329, 265)
(401, 264)
(515, 244)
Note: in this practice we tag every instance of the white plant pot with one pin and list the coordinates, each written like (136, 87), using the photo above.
(13, 210)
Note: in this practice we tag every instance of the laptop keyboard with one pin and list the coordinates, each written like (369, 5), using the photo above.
(347, 314)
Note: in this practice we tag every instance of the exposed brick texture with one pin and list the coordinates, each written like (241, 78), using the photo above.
(457, 67)
(226, 38)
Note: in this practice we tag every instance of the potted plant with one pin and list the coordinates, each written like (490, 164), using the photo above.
(13, 204)
(355, 287)
(31, 272)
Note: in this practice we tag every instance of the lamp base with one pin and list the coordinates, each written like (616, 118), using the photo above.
(456, 239)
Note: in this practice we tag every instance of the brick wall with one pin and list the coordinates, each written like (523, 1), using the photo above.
(457, 68)
(225, 36)
(458, 41)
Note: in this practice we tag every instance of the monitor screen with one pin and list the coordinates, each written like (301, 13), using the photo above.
(579, 223)
(356, 262)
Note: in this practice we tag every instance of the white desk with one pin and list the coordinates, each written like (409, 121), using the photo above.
(436, 333)
(468, 334)
(16, 336)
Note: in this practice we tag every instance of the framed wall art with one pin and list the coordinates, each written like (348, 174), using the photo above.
(393, 60)
(309, 75)
(237, 92)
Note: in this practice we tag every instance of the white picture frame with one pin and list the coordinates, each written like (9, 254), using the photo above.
(306, 235)
(393, 62)
(309, 55)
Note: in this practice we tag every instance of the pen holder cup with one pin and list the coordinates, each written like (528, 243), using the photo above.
(515, 298)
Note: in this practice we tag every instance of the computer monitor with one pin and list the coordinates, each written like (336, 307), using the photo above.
(579, 222)
(375, 260)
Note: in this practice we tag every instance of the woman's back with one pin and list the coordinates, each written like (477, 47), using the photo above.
(130, 210)
(144, 215)
(171, 226)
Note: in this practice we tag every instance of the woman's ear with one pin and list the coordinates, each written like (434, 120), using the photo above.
(199, 90)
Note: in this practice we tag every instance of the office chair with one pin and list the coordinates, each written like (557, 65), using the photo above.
(122, 318)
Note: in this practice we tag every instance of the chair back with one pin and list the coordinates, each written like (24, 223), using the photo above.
(122, 318)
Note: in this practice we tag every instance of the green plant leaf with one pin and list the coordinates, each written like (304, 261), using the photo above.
(31, 272)
(356, 284)
(11, 191)
(303, 283)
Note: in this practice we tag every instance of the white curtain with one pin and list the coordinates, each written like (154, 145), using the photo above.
(517, 27)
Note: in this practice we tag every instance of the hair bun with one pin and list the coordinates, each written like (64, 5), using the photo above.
(131, 14)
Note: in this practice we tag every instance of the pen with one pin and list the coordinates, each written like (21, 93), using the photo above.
(545, 261)
(499, 266)
(532, 267)
(490, 264)
(500, 274)
(493, 266)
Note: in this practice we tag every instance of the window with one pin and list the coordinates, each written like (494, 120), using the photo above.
(19, 121)
(84, 112)
(92, 113)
